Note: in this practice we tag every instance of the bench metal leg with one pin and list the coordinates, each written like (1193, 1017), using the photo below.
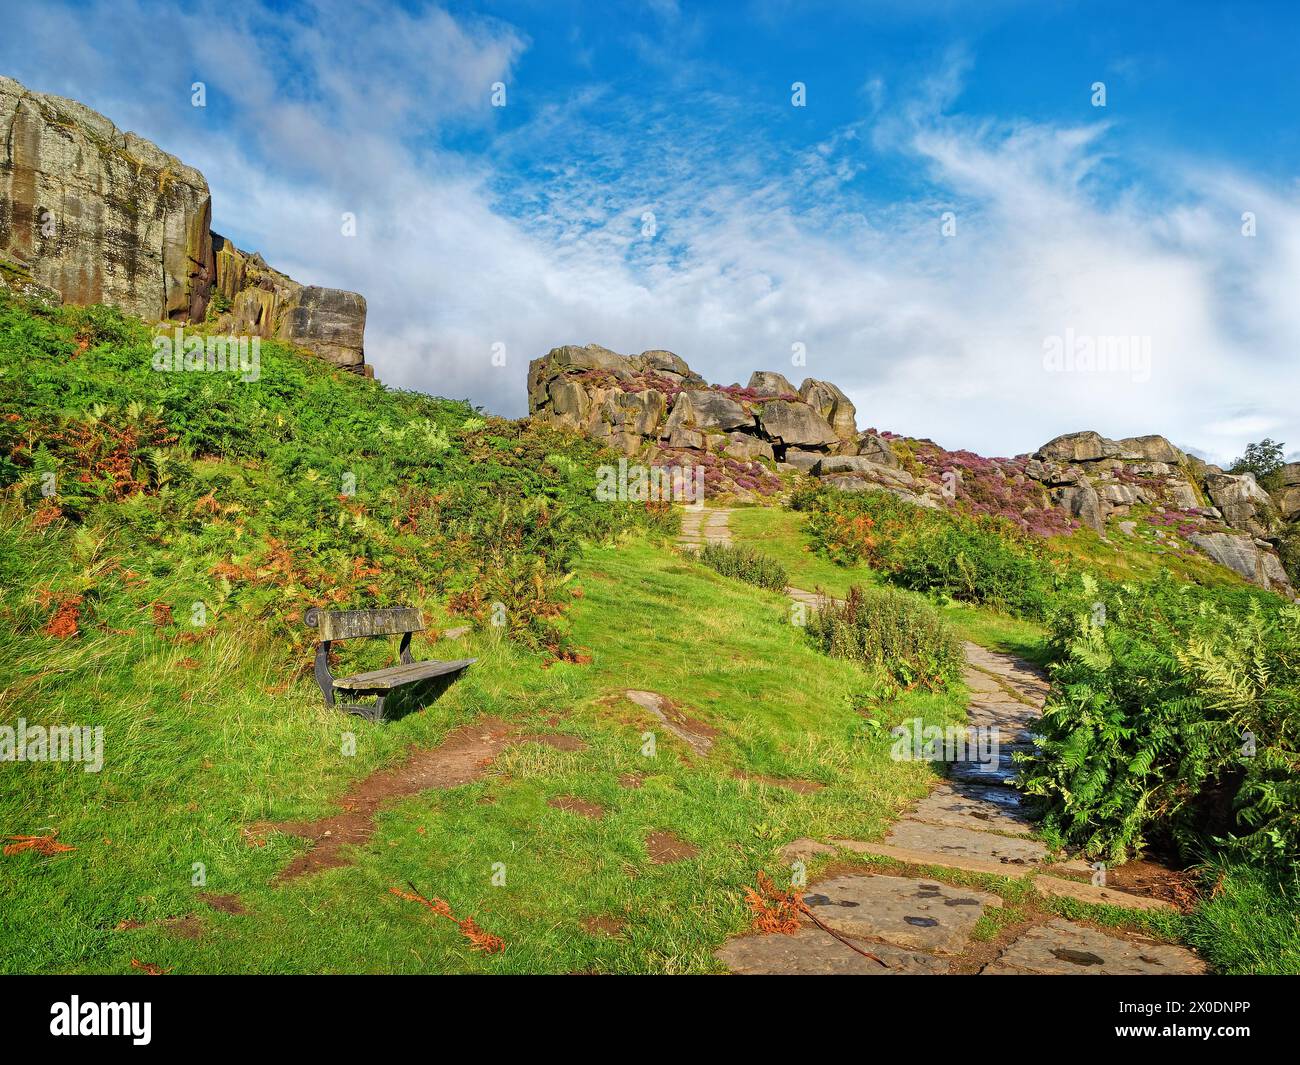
(322, 670)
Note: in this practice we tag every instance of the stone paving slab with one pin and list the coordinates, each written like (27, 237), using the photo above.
(1063, 948)
(944, 841)
(695, 734)
(970, 806)
(812, 952)
(974, 773)
(949, 861)
(909, 913)
(1046, 884)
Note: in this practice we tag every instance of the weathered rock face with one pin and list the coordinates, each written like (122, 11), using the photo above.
(795, 425)
(833, 405)
(771, 383)
(1243, 503)
(1288, 496)
(1247, 557)
(97, 215)
(1078, 447)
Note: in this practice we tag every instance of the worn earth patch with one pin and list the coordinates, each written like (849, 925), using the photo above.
(464, 756)
(664, 847)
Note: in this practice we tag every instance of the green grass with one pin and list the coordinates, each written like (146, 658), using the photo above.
(1249, 923)
(196, 754)
(779, 534)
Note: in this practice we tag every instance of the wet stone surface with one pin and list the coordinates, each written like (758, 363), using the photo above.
(948, 840)
(920, 914)
(973, 807)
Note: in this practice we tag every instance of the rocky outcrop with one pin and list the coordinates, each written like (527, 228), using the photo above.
(1093, 478)
(655, 405)
(1227, 516)
(1243, 503)
(97, 215)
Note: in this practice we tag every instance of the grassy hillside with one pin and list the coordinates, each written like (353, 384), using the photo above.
(177, 489)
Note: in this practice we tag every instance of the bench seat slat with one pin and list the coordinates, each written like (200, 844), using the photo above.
(396, 676)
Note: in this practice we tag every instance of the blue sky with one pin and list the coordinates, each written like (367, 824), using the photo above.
(774, 226)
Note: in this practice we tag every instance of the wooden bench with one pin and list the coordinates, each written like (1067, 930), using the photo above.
(334, 625)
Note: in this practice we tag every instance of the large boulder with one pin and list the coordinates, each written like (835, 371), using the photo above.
(1288, 496)
(877, 449)
(665, 362)
(1082, 502)
(1153, 449)
(795, 425)
(833, 405)
(1087, 446)
(1243, 555)
(801, 460)
(745, 447)
(705, 409)
(329, 322)
(1243, 503)
(587, 357)
(771, 383)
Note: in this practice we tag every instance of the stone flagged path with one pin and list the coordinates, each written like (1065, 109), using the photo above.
(974, 821)
(704, 526)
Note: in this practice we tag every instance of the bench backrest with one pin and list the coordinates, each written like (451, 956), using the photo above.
(334, 625)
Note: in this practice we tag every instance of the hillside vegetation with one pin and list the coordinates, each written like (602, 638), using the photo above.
(172, 490)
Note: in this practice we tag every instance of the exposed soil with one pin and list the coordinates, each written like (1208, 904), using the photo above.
(1155, 881)
(188, 927)
(603, 926)
(631, 780)
(464, 756)
(664, 848)
(574, 805)
(803, 787)
(224, 903)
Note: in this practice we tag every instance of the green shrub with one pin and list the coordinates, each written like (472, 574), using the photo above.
(744, 564)
(1174, 720)
(260, 497)
(972, 559)
(899, 636)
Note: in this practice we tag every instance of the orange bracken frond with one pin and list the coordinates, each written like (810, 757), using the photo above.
(478, 939)
(46, 845)
(774, 910)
